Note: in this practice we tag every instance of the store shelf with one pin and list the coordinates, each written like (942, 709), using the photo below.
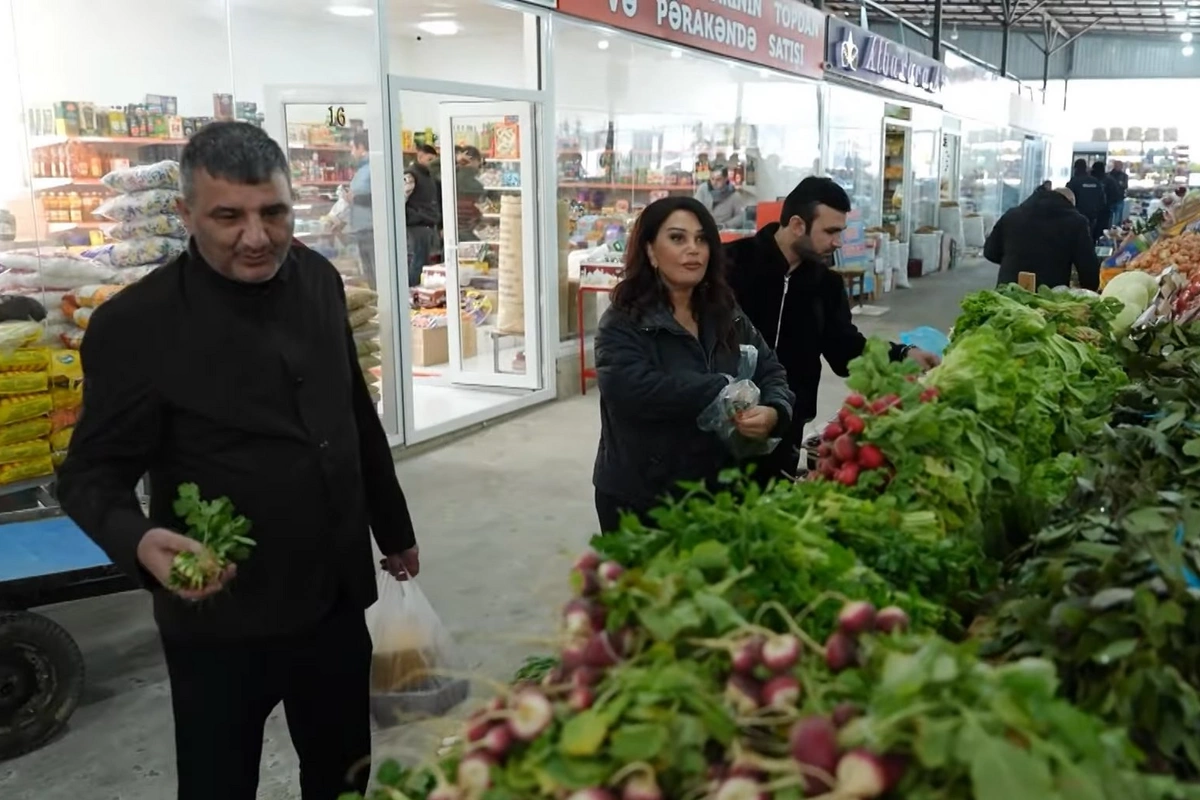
(502, 188)
(143, 141)
(46, 184)
(336, 148)
(635, 187)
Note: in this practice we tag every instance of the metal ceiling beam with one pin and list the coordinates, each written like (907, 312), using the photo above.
(917, 29)
(1077, 34)
(1037, 4)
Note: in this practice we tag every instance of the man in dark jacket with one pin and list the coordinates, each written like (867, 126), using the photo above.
(783, 281)
(1089, 197)
(1045, 235)
(1112, 192)
(468, 192)
(1119, 175)
(233, 367)
(422, 218)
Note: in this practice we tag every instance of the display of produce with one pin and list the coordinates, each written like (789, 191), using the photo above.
(985, 591)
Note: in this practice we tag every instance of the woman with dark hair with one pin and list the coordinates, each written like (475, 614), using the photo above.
(666, 348)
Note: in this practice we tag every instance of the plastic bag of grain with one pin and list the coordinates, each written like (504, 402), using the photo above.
(169, 225)
(149, 203)
(162, 175)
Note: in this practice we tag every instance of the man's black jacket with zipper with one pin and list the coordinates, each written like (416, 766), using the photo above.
(803, 315)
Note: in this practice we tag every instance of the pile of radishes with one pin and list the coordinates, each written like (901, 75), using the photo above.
(761, 673)
(589, 649)
(840, 456)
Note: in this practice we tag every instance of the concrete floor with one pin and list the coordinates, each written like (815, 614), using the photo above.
(500, 514)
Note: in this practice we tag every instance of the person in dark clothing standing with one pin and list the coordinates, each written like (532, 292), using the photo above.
(1045, 235)
(1090, 198)
(666, 347)
(234, 368)
(1112, 193)
(1119, 175)
(468, 192)
(422, 218)
(782, 278)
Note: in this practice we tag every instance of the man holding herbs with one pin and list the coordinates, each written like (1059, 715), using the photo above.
(233, 368)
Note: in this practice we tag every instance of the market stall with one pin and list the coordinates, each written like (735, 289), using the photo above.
(984, 591)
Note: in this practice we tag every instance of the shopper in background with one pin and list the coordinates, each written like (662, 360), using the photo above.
(1119, 175)
(722, 198)
(469, 192)
(1045, 236)
(422, 217)
(233, 368)
(1112, 193)
(362, 222)
(665, 349)
(1090, 198)
(782, 278)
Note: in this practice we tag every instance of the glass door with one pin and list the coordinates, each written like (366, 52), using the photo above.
(490, 243)
(897, 187)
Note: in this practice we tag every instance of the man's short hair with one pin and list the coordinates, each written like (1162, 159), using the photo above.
(472, 152)
(1080, 165)
(361, 140)
(427, 149)
(234, 151)
(810, 193)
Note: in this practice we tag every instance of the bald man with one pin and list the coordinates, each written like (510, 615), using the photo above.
(1045, 235)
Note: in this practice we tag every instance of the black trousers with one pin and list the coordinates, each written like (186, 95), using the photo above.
(222, 694)
(610, 508)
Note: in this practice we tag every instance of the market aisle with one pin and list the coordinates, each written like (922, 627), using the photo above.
(501, 515)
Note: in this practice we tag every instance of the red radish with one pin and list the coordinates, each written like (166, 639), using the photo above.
(554, 677)
(881, 405)
(847, 475)
(861, 773)
(856, 400)
(824, 450)
(910, 378)
(595, 793)
(624, 641)
(581, 698)
(780, 653)
(743, 693)
(599, 651)
(832, 431)
(844, 712)
(842, 414)
(853, 423)
(588, 561)
(827, 468)
(585, 582)
(586, 676)
(870, 457)
(739, 788)
(475, 772)
(747, 655)
(498, 740)
(531, 714)
(446, 791)
(477, 727)
(781, 692)
(609, 573)
(840, 652)
(813, 743)
(894, 767)
(641, 787)
(857, 616)
(845, 449)
(577, 618)
(892, 618)
(929, 394)
(497, 703)
(573, 653)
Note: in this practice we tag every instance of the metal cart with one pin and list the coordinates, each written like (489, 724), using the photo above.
(44, 559)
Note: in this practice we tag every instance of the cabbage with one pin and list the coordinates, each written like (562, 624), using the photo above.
(1135, 289)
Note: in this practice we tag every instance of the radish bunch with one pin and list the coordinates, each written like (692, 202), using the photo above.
(590, 649)
(856, 618)
(491, 735)
(841, 456)
(761, 673)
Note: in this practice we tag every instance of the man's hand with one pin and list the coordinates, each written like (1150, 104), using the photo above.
(157, 550)
(757, 423)
(403, 565)
(925, 359)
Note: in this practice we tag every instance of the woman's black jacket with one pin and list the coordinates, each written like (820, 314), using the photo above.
(655, 378)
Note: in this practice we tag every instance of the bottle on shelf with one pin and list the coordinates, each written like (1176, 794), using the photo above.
(75, 207)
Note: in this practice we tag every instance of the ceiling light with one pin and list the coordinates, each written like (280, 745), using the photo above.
(676, 52)
(1188, 50)
(351, 11)
(1181, 15)
(1185, 37)
(439, 27)
(602, 44)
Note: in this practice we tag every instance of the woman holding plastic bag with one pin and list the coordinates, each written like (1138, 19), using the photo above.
(688, 387)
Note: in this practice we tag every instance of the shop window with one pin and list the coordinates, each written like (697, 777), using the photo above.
(465, 41)
(856, 149)
(731, 134)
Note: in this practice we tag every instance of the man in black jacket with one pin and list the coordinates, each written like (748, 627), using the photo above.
(1112, 193)
(234, 368)
(783, 281)
(1119, 175)
(422, 216)
(1089, 197)
(1044, 235)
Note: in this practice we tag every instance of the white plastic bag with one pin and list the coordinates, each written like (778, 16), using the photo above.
(740, 395)
(411, 654)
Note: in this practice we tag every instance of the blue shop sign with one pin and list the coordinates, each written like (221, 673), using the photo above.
(855, 52)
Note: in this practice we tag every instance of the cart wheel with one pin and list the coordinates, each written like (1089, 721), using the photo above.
(41, 680)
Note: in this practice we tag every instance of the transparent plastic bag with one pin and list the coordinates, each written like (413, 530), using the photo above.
(411, 652)
(740, 395)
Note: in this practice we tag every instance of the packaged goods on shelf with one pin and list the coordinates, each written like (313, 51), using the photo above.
(150, 251)
(150, 203)
(49, 269)
(161, 175)
(72, 337)
(26, 470)
(18, 334)
(23, 407)
(26, 431)
(94, 296)
(169, 225)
